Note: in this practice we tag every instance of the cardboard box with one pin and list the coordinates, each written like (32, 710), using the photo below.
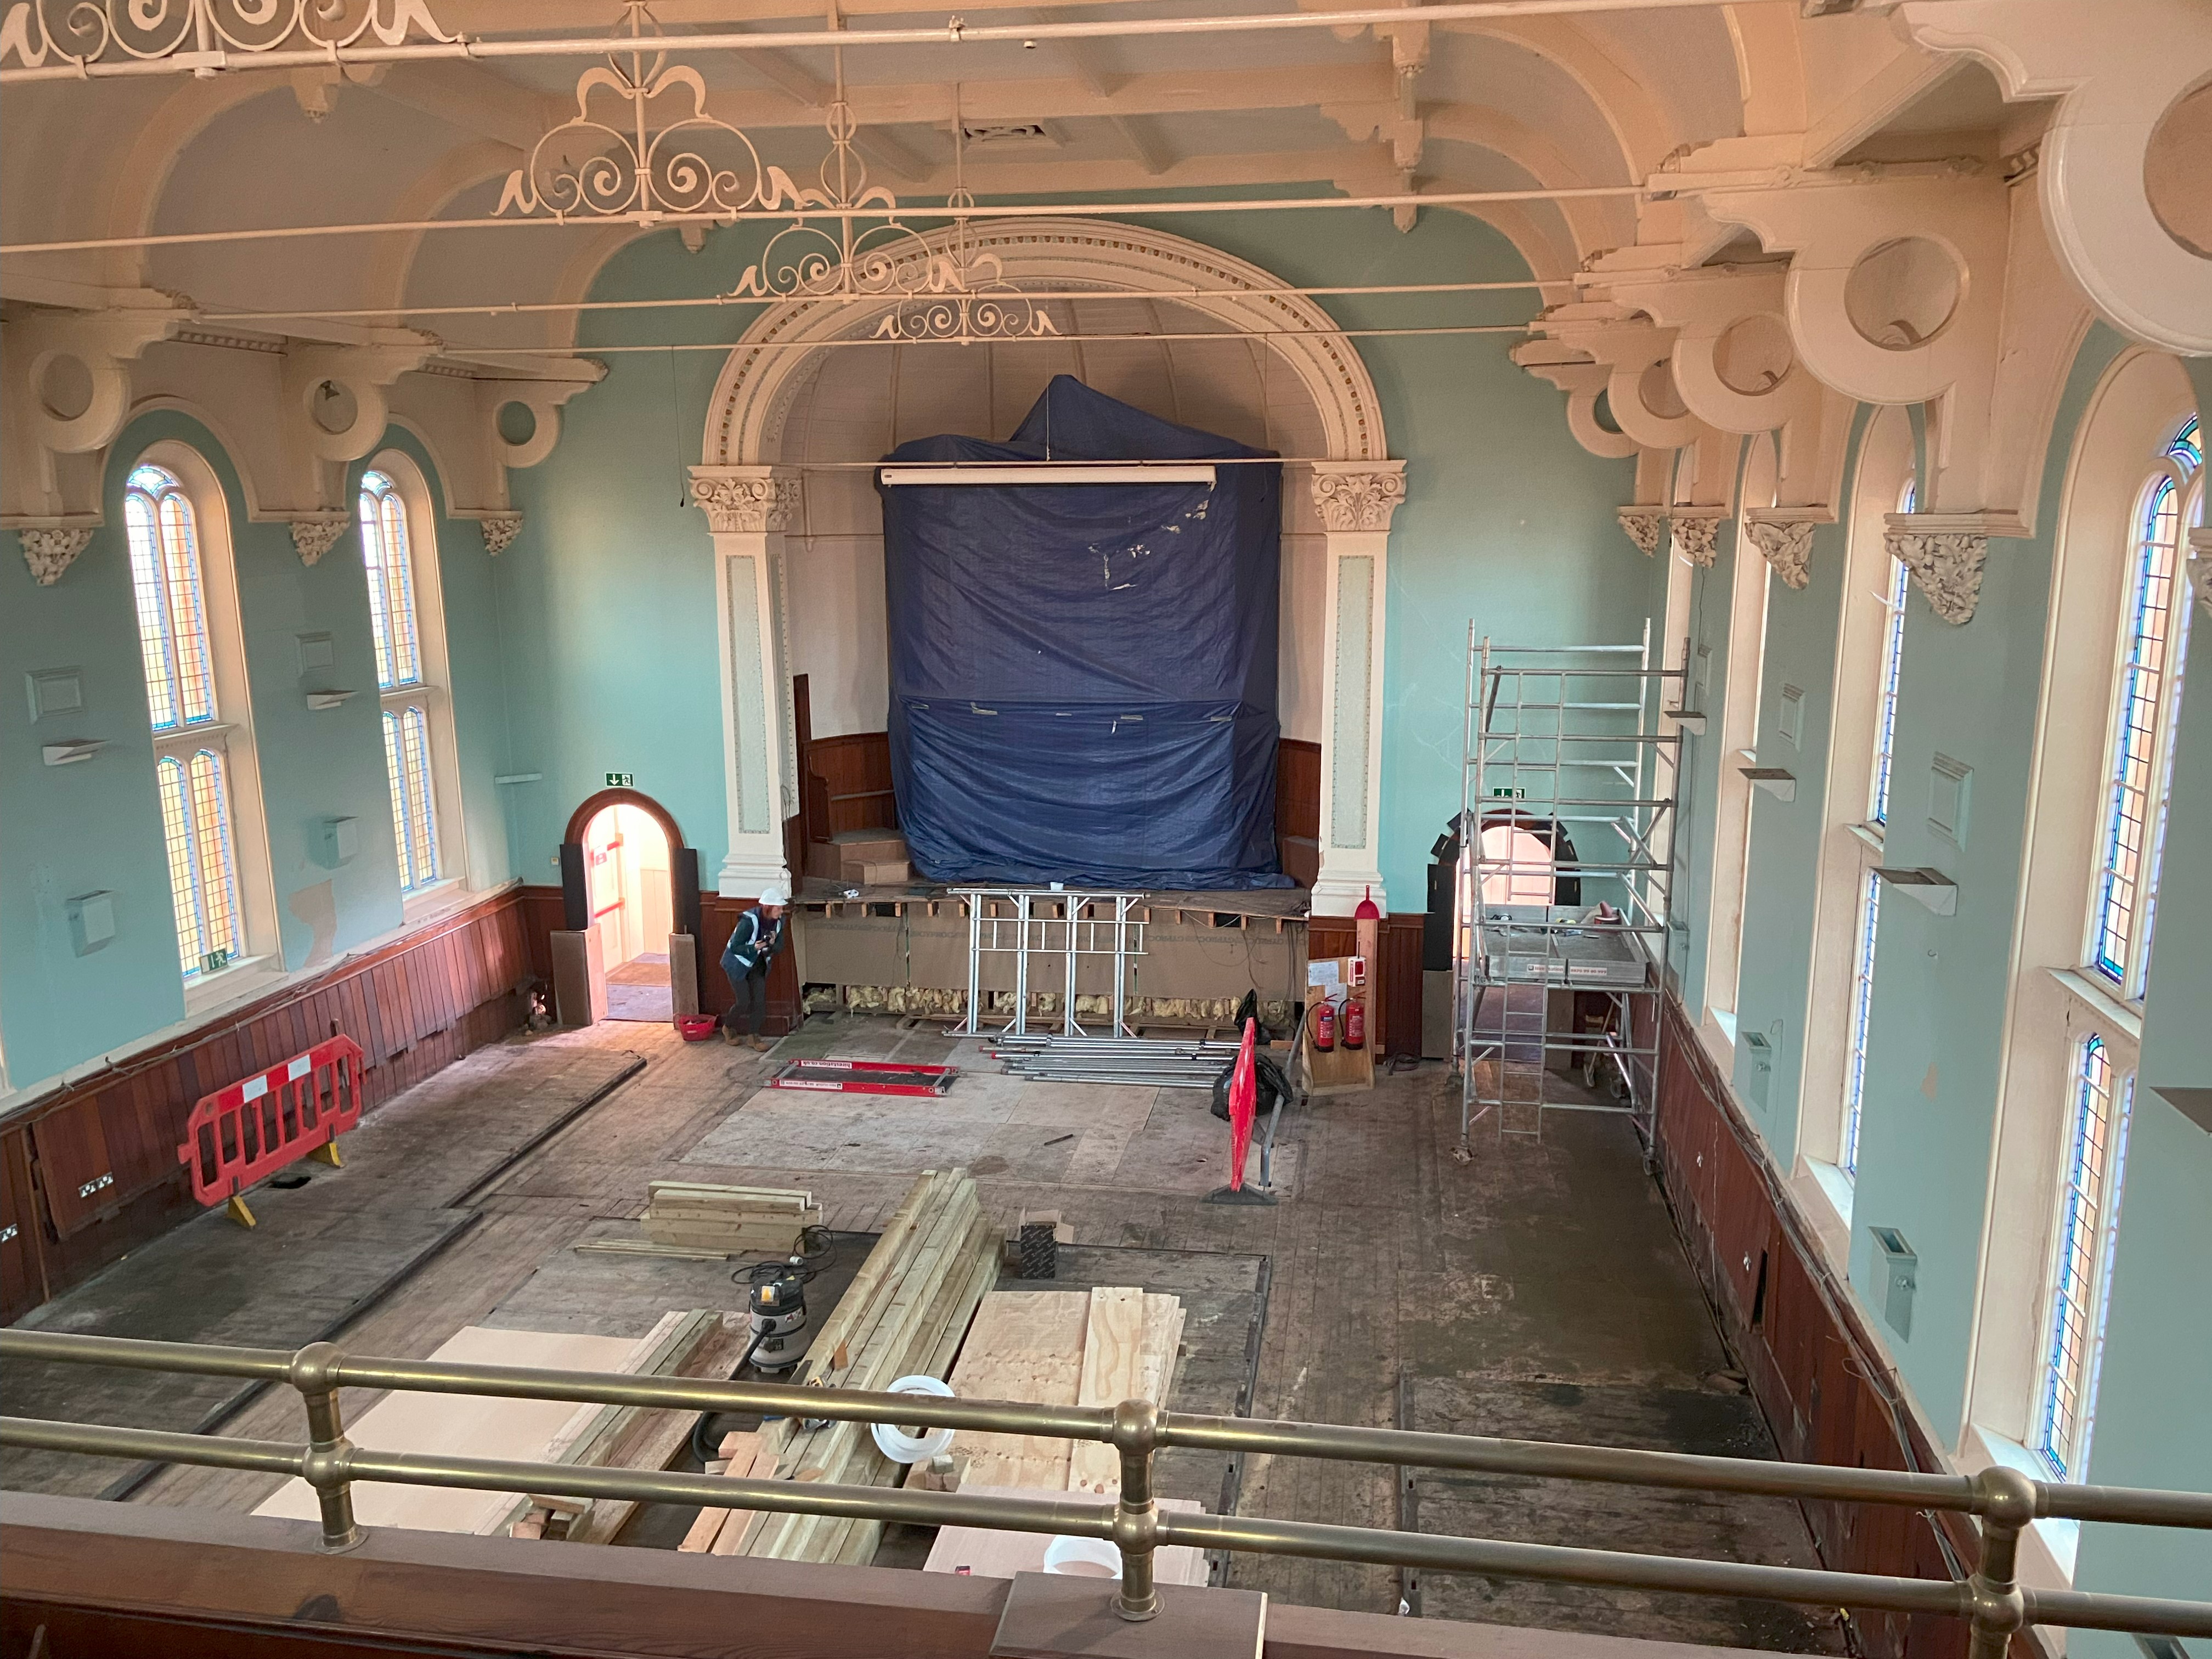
(895, 873)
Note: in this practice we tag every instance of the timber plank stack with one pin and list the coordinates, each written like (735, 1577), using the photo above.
(1097, 1347)
(702, 1342)
(905, 1313)
(695, 1216)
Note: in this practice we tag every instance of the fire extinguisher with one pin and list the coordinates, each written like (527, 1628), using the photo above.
(1324, 1025)
(1355, 1023)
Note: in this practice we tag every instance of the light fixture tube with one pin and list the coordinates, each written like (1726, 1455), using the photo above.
(1051, 472)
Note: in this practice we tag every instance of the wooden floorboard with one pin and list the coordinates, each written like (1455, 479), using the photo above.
(1497, 1285)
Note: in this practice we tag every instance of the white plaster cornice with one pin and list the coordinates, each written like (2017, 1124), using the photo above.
(1697, 532)
(50, 549)
(1946, 553)
(1357, 494)
(313, 537)
(1643, 525)
(1787, 543)
(745, 500)
(499, 530)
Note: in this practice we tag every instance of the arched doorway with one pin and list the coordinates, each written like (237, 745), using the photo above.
(627, 866)
(629, 877)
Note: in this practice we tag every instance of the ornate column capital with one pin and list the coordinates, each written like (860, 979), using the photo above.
(313, 537)
(499, 530)
(1786, 538)
(1357, 494)
(1946, 566)
(1696, 532)
(51, 548)
(1643, 526)
(2200, 566)
(745, 500)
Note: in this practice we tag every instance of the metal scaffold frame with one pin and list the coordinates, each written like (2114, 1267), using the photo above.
(1565, 883)
(1069, 936)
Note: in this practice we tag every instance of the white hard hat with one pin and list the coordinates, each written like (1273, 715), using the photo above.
(773, 893)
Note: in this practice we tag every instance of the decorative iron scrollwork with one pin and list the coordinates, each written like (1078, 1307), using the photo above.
(87, 32)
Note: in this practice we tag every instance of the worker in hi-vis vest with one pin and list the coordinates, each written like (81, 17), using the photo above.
(753, 944)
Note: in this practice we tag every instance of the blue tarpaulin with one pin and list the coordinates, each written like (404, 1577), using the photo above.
(1083, 677)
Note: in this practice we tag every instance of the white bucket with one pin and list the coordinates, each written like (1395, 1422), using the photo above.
(1082, 1558)
(903, 1448)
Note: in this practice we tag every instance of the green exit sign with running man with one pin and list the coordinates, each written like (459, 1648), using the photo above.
(621, 779)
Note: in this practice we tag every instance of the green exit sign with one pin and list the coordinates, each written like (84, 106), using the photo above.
(1504, 794)
(620, 779)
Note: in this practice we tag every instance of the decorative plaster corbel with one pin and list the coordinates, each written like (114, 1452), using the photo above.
(1788, 545)
(1358, 497)
(1696, 533)
(314, 537)
(1644, 525)
(499, 529)
(2200, 568)
(50, 549)
(1946, 566)
(744, 500)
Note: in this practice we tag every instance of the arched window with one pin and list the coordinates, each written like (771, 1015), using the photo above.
(197, 705)
(2088, 1227)
(2140, 770)
(1869, 897)
(400, 555)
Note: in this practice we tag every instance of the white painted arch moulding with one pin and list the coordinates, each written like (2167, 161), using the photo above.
(763, 371)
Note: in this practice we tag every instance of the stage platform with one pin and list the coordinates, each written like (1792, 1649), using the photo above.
(1276, 903)
(904, 950)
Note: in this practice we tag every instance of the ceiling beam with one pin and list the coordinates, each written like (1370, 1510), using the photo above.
(477, 100)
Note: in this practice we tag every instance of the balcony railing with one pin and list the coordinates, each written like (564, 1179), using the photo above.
(2003, 1501)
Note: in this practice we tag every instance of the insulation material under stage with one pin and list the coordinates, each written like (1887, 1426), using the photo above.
(1083, 676)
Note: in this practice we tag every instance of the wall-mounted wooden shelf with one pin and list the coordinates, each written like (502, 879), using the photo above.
(1782, 785)
(1930, 888)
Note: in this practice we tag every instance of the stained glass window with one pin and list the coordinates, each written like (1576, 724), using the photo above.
(170, 595)
(2152, 649)
(386, 553)
(2087, 1229)
(1862, 1011)
(1893, 663)
(407, 765)
(165, 580)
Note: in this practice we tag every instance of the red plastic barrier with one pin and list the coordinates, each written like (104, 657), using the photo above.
(253, 1128)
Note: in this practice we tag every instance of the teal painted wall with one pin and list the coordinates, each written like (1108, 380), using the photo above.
(1970, 693)
(2154, 1426)
(97, 825)
(609, 590)
(1803, 629)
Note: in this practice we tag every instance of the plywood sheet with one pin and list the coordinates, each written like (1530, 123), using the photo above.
(469, 1426)
(987, 1553)
(1024, 1346)
(1112, 1370)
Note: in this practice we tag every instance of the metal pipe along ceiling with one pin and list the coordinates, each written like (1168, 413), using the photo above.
(953, 32)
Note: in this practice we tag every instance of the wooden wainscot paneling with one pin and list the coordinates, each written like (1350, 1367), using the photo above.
(91, 1169)
(1298, 809)
(855, 773)
(1817, 1374)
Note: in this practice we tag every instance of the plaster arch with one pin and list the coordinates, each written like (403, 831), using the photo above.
(753, 397)
(1640, 125)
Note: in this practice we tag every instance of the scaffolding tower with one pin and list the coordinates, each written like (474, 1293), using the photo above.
(1565, 882)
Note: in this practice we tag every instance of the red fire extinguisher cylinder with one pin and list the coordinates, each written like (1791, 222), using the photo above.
(1324, 1026)
(1355, 1023)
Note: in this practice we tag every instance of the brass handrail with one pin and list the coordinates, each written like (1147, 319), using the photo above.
(2003, 1500)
